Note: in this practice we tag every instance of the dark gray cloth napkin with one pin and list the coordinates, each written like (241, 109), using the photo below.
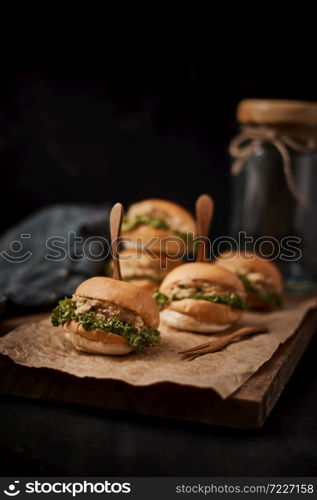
(44, 257)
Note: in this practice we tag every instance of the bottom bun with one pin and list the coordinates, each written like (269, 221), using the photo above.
(186, 322)
(204, 311)
(96, 341)
(97, 347)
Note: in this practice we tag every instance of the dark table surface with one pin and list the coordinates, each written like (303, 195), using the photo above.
(40, 438)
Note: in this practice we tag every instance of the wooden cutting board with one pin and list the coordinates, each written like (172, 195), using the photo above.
(248, 407)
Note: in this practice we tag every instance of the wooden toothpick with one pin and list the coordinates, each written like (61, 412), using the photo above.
(116, 216)
(204, 214)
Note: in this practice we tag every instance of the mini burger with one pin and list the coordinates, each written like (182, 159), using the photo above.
(201, 297)
(168, 226)
(261, 279)
(144, 269)
(107, 316)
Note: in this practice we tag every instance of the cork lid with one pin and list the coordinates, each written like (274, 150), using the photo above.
(272, 111)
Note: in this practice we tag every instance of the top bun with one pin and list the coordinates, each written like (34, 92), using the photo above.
(163, 241)
(203, 271)
(173, 214)
(123, 294)
(247, 262)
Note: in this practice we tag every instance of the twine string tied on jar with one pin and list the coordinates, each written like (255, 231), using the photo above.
(251, 137)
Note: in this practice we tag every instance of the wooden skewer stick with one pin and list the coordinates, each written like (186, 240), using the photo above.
(204, 214)
(220, 343)
(116, 216)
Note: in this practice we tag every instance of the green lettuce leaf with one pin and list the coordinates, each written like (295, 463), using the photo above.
(161, 299)
(233, 299)
(141, 220)
(65, 311)
(142, 277)
(188, 238)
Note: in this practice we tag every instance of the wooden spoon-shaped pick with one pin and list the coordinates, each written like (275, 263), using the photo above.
(116, 216)
(204, 214)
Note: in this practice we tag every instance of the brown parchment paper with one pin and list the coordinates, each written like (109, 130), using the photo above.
(40, 345)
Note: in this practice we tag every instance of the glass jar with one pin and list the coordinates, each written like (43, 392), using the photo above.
(274, 189)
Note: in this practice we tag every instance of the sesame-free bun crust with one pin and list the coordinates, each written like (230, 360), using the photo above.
(136, 263)
(145, 284)
(162, 240)
(246, 262)
(203, 271)
(124, 294)
(175, 215)
(95, 341)
(185, 322)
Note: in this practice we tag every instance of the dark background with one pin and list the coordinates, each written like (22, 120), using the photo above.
(121, 125)
(127, 125)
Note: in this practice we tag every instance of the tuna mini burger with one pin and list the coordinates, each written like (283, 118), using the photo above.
(201, 297)
(107, 316)
(168, 226)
